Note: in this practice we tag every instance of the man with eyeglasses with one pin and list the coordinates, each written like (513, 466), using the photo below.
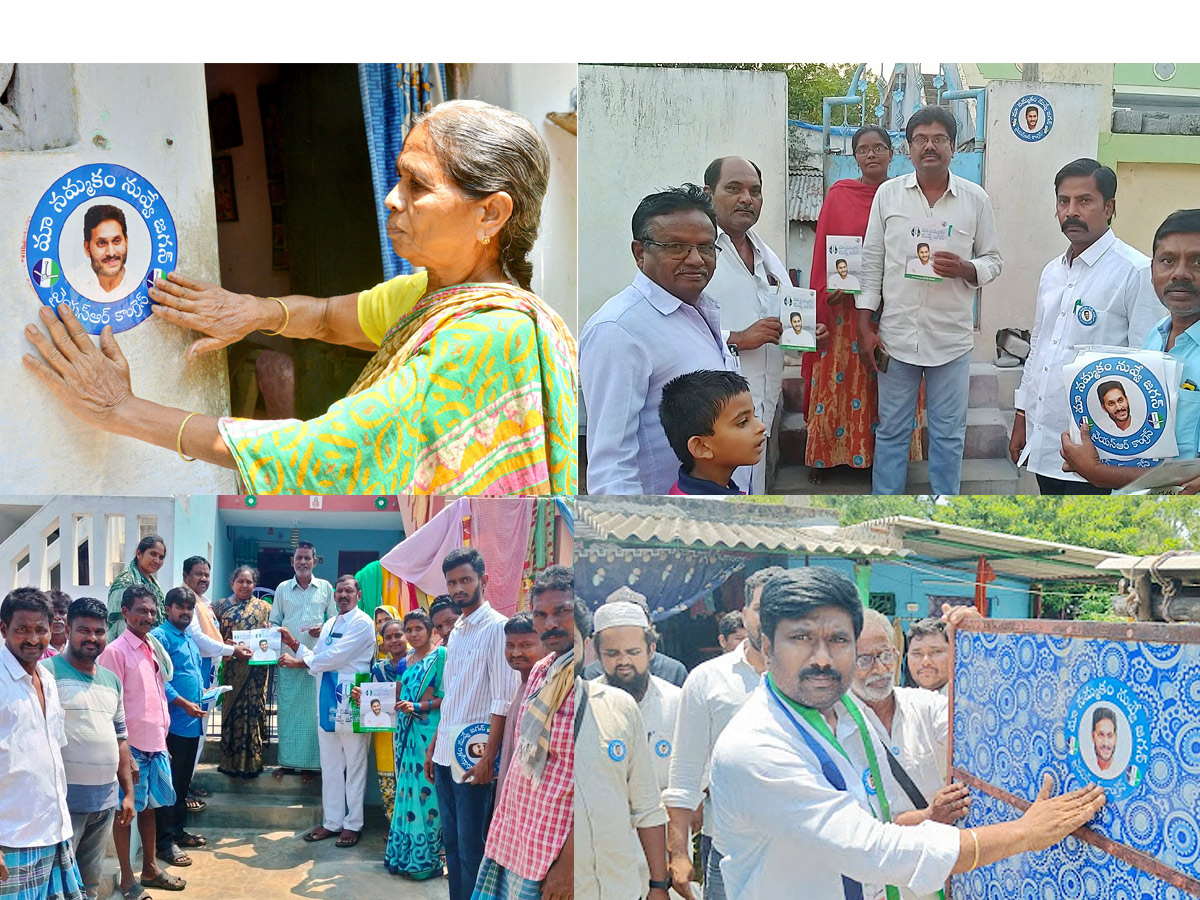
(914, 723)
(744, 284)
(926, 327)
(661, 326)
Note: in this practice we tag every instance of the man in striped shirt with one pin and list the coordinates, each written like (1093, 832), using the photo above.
(479, 686)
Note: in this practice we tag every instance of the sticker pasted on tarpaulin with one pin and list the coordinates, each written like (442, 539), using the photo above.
(1089, 703)
(97, 239)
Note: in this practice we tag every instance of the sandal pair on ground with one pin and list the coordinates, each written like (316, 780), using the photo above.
(346, 838)
(173, 853)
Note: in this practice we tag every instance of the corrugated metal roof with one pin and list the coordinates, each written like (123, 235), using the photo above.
(743, 526)
(806, 193)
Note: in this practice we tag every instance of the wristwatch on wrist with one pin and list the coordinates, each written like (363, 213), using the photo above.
(662, 885)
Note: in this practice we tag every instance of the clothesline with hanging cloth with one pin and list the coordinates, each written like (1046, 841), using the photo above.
(393, 96)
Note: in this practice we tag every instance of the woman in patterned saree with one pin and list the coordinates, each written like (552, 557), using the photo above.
(414, 844)
(472, 388)
(243, 709)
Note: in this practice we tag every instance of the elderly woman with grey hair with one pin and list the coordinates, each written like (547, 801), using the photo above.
(473, 384)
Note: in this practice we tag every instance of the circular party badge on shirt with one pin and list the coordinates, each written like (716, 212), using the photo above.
(96, 241)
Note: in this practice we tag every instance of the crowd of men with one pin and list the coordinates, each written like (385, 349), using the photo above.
(704, 301)
(791, 758)
(103, 732)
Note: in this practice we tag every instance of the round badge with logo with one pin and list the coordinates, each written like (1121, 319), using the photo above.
(1108, 737)
(1124, 403)
(470, 744)
(663, 748)
(869, 782)
(1085, 314)
(1031, 118)
(616, 750)
(97, 239)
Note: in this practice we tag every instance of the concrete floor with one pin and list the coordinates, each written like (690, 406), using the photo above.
(282, 866)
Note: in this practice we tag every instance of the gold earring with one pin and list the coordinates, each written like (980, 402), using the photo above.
(485, 240)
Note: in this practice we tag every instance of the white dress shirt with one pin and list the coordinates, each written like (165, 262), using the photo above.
(711, 696)
(210, 648)
(84, 279)
(33, 782)
(776, 815)
(926, 323)
(744, 298)
(477, 679)
(920, 731)
(1110, 283)
(659, 707)
(634, 344)
(615, 794)
(350, 653)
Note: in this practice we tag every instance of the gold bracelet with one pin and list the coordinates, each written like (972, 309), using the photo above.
(287, 317)
(975, 861)
(179, 438)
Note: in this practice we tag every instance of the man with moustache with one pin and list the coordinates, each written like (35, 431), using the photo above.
(661, 666)
(478, 686)
(96, 755)
(661, 326)
(713, 693)
(1104, 737)
(927, 327)
(302, 605)
(104, 277)
(928, 654)
(1175, 275)
(745, 285)
(522, 649)
(36, 858)
(530, 846)
(143, 666)
(800, 781)
(186, 730)
(1115, 402)
(1097, 292)
(913, 723)
(624, 641)
(345, 647)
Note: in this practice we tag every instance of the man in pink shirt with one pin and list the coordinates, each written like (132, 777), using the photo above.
(143, 667)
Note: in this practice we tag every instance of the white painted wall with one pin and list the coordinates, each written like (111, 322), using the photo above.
(1019, 178)
(533, 90)
(644, 129)
(153, 119)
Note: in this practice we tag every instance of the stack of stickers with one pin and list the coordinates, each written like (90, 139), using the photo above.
(1127, 398)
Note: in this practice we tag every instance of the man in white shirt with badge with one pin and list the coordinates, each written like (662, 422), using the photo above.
(926, 327)
(624, 642)
(1097, 292)
(713, 693)
(661, 326)
(745, 284)
(800, 782)
(345, 647)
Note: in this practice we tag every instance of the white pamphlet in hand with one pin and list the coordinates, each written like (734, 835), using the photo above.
(376, 707)
(264, 643)
(843, 263)
(798, 312)
(925, 238)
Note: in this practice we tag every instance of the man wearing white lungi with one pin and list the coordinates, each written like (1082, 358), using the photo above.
(345, 648)
(301, 605)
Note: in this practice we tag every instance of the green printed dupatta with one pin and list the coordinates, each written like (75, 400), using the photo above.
(473, 391)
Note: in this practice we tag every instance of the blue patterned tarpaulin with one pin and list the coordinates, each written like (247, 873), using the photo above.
(393, 95)
(1026, 704)
(671, 580)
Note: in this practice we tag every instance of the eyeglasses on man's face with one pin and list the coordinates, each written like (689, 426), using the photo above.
(866, 661)
(938, 140)
(679, 250)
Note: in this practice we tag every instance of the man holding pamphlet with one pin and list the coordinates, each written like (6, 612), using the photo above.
(930, 243)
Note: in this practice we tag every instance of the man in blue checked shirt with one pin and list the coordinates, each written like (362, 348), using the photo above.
(184, 689)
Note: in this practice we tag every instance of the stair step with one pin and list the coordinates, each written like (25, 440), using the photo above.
(257, 812)
(212, 752)
(265, 784)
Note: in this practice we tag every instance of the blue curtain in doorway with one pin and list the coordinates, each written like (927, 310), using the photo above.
(393, 95)
(671, 580)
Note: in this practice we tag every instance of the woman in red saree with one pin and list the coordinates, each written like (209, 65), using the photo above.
(842, 400)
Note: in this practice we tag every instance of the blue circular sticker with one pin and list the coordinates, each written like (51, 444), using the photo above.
(470, 744)
(97, 239)
(1123, 402)
(616, 750)
(869, 782)
(1031, 118)
(1108, 737)
(1086, 315)
(663, 748)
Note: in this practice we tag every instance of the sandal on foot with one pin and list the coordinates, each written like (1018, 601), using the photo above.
(195, 806)
(344, 841)
(320, 833)
(192, 841)
(173, 856)
(165, 881)
(197, 791)
(134, 892)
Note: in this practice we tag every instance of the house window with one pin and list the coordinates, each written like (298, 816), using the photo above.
(83, 550)
(884, 603)
(114, 545)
